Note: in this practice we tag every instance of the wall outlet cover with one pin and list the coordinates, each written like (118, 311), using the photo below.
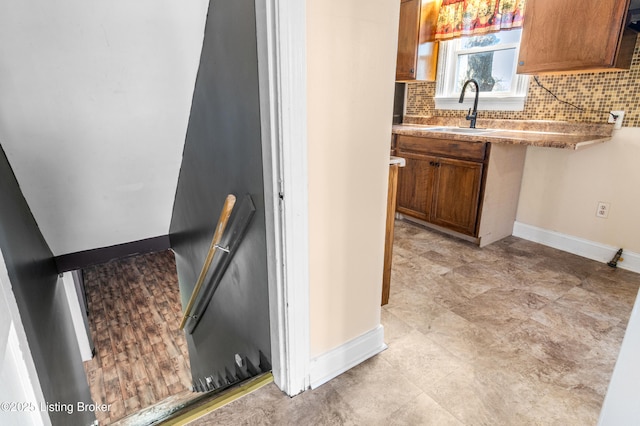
(603, 209)
(618, 120)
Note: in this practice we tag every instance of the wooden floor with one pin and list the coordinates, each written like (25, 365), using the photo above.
(134, 313)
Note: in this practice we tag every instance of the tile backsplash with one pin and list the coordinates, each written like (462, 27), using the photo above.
(597, 93)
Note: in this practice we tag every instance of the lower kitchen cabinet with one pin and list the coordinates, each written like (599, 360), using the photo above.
(441, 190)
(466, 187)
(415, 185)
(456, 209)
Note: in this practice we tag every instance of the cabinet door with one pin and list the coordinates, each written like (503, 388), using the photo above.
(456, 195)
(573, 35)
(415, 183)
(408, 33)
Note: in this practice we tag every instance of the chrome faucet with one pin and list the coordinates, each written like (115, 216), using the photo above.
(471, 115)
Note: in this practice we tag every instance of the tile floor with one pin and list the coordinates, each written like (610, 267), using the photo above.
(512, 334)
(141, 355)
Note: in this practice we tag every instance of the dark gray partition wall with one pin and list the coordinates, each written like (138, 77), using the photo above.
(42, 303)
(223, 155)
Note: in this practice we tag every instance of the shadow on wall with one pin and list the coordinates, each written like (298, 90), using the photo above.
(42, 304)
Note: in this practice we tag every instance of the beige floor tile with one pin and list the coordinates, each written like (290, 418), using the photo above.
(374, 389)
(549, 284)
(256, 408)
(597, 305)
(547, 344)
(321, 406)
(413, 309)
(462, 338)
(424, 411)
(569, 407)
(573, 324)
(512, 334)
(420, 360)
(394, 327)
(480, 396)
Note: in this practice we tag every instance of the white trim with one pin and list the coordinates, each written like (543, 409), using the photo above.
(76, 317)
(580, 246)
(281, 32)
(346, 356)
(19, 382)
(6, 293)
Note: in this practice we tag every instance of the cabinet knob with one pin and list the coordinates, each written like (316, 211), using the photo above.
(521, 63)
(411, 70)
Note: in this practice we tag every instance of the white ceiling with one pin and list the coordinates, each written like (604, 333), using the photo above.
(94, 105)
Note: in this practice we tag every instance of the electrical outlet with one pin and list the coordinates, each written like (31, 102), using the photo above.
(603, 210)
(618, 120)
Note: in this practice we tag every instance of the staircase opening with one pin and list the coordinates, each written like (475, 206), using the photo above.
(140, 372)
(141, 358)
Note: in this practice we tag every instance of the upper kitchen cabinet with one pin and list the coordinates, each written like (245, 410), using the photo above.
(417, 46)
(575, 36)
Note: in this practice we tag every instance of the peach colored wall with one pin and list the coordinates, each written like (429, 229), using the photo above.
(351, 48)
(561, 189)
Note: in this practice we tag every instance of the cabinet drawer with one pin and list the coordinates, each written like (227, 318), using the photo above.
(474, 151)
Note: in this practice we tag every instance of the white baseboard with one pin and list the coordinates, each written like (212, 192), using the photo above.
(336, 361)
(579, 246)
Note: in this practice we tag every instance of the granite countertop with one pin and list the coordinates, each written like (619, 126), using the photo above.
(551, 134)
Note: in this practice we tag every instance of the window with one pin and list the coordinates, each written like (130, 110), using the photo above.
(490, 59)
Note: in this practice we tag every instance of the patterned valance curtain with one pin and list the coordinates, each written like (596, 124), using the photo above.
(472, 17)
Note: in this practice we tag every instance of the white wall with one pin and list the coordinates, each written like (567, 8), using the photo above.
(622, 403)
(561, 189)
(93, 113)
(351, 48)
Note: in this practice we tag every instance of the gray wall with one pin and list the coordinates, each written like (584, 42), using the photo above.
(223, 155)
(42, 302)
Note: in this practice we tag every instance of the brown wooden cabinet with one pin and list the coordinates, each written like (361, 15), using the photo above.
(456, 195)
(390, 229)
(574, 36)
(415, 185)
(417, 48)
(470, 189)
(441, 182)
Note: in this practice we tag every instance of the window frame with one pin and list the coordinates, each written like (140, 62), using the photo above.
(446, 98)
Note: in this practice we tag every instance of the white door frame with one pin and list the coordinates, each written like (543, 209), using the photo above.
(281, 36)
(16, 339)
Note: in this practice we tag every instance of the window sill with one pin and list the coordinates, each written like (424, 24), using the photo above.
(511, 103)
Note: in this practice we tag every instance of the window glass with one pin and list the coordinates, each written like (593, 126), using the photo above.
(493, 70)
(491, 60)
(507, 36)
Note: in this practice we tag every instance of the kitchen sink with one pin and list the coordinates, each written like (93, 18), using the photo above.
(460, 130)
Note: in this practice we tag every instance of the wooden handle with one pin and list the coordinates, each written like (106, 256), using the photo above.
(227, 208)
